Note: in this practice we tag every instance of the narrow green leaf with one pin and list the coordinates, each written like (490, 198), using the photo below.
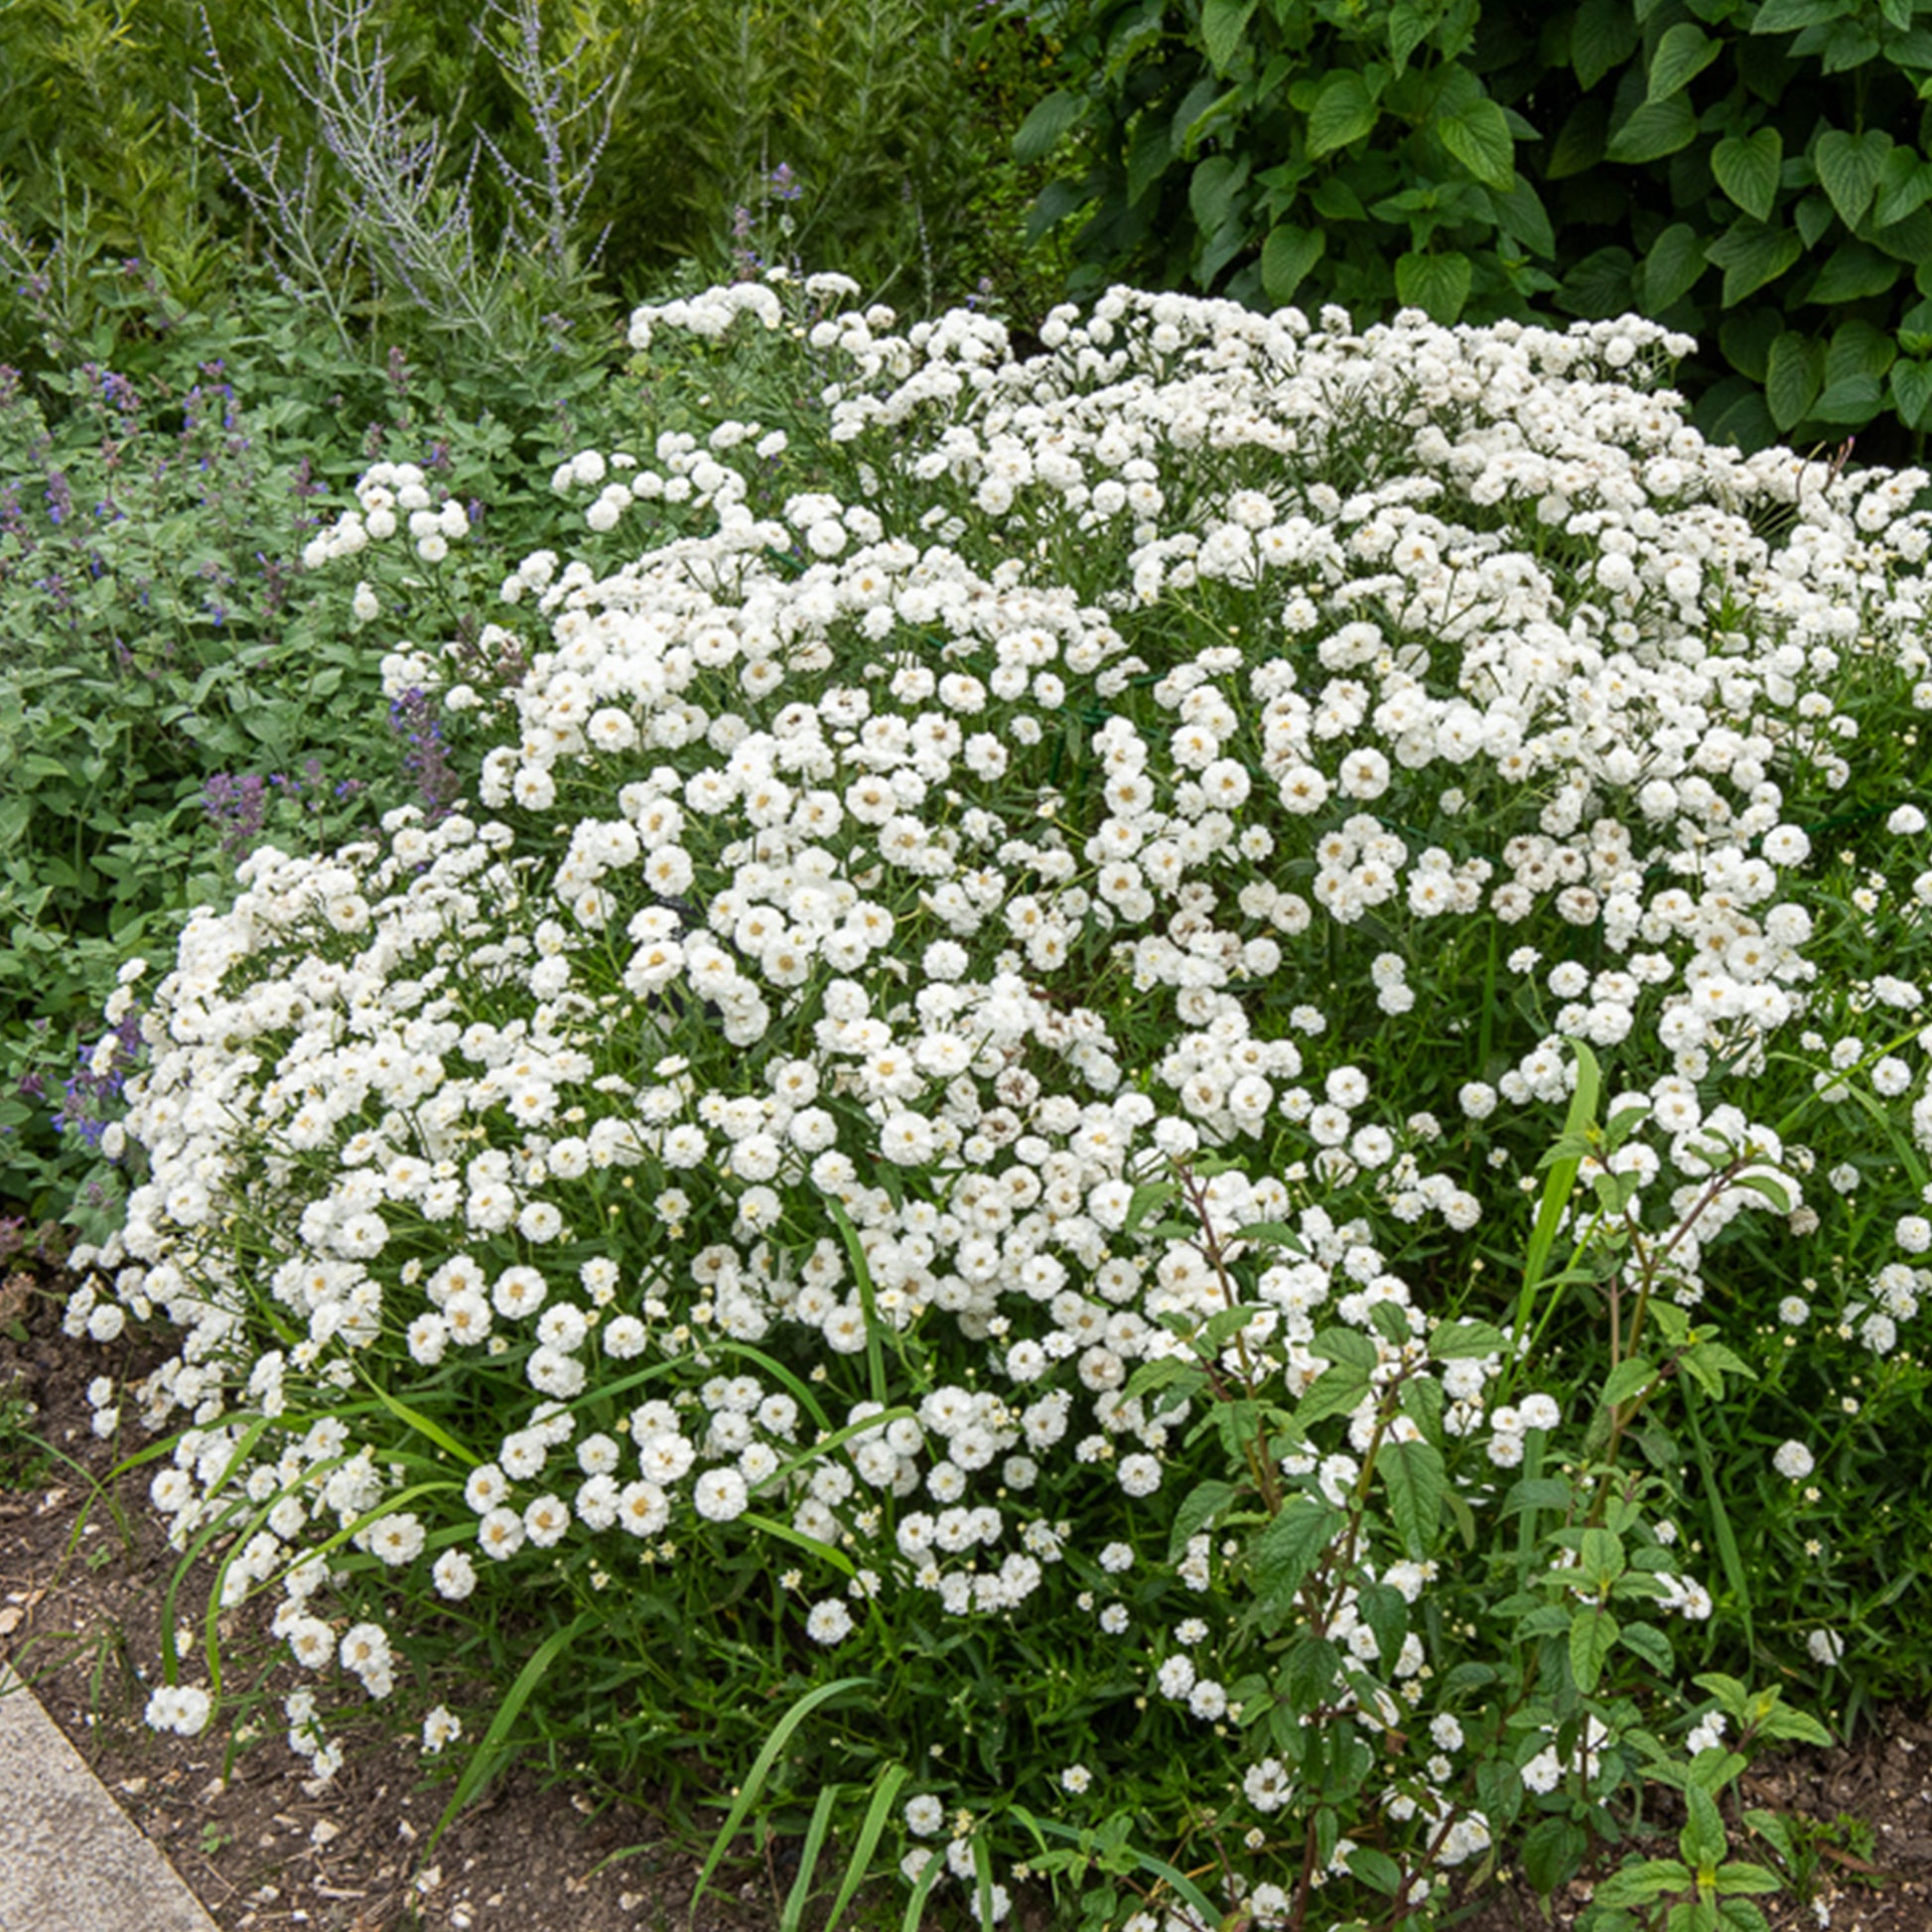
(1285, 258)
(1199, 1508)
(1701, 1840)
(1748, 170)
(1683, 52)
(883, 1796)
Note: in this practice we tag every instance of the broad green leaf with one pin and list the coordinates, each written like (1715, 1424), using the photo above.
(1437, 283)
(1287, 1549)
(1752, 253)
(1787, 16)
(1479, 138)
(1521, 216)
(1858, 348)
(1201, 1505)
(1410, 24)
(1654, 130)
(1601, 1560)
(1599, 285)
(1734, 1877)
(1793, 379)
(1579, 141)
(1627, 1379)
(1701, 1840)
(1846, 404)
(1848, 167)
(1909, 241)
(1309, 1672)
(1222, 24)
(1335, 1392)
(1457, 1341)
(1041, 132)
(1603, 37)
(1911, 392)
(1748, 170)
(1683, 52)
(1592, 1633)
(1285, 258)
(1553, 1852)
(1639, 1882)
(1672, 267)
(1343, 111)
(1414, 1475)
(1651, 1644)
(1904, 185)
(1349, 1346)
(1851, 272)
(1149, 155)
(1214, 189)
(1335, 201)
(1376, 1869)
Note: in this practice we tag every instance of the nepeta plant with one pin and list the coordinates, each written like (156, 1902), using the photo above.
(1140, 1093)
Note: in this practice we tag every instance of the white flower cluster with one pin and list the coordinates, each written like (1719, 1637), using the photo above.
(392, 496)
(850, 856)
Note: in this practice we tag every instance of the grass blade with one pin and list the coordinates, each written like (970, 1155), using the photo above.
(754, 1784)
(792, 1917)
(884, 1795)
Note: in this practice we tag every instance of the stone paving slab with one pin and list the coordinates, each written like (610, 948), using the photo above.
(69, 1860)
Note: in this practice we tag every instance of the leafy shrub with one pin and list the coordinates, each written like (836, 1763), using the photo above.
(1139, 1148)
(170, 691)
(1756, 174)
(494, 185)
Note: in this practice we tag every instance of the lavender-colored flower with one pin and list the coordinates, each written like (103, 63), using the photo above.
(237, 807)
(413, 718)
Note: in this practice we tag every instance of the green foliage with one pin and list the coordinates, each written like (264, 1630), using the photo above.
(172, 690)
(1753, 172)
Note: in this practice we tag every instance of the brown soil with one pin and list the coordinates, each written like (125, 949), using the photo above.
(266, 1847)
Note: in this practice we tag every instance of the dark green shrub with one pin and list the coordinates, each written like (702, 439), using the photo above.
(1752, 172)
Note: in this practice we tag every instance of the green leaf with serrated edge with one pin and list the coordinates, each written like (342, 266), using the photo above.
(1747, 170)
(1309, 1672)
(1553, 1852)
(1376, 1869)
(1629, 1379)
(1799, 1727)
(1848, 167)
(1736, 1877)
(1041, 132)
(1653, 130)
(1285, 259)
(1858, 348)
(1213, 191)
(1222, 24)
(1752, 254)
(1335, 1392)
(1437, 284)
(1342, 113)
(1592, 1633)
(1479, 139)
(1199, 1508)
(1349, 1346)
(1538, 1493)
(1603, 37)
(1672, 267)
(1335, 201)
(1909, 241)
(1284, 1551)
(1166, 1372)
(1911, 392)
(1455, 1342)
(1849, 404)
(1792, 378)
(1683, 52)
(1650, 1643)
(1601, 1560)
(1414, 1478)
(1639, 1883)
(1701, 1840)
(1774, 1828)
(1408, 26)
(1423, 1400)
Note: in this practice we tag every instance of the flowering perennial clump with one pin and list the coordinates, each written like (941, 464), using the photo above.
(1075, 922)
